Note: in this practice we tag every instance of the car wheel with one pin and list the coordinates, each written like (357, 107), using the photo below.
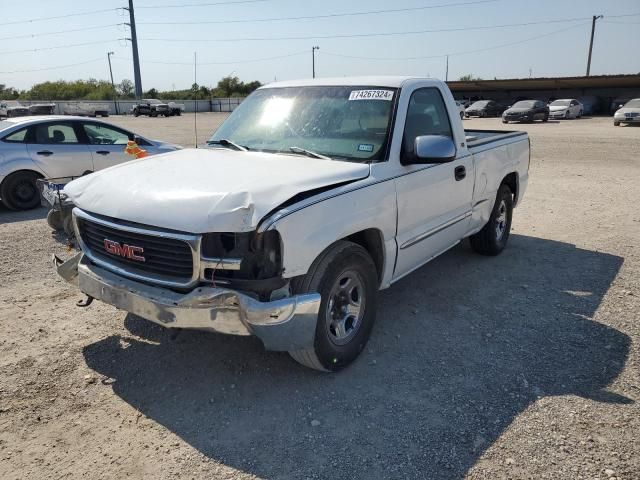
(346, 278)
(493, 237)
(54, 220)
(545, 118)
(136, 113)
(19, 191)
(616, 124)
(505, 121)
(580, 114)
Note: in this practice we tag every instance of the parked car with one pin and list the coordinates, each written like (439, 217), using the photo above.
(85, 109)
(175, 108)
(314, 195)
(151, 107)
(629, 113)
(484, 108)
(526, 111)
(616, 104)
(59, 146)
(565, 108)
(11, 108)
(42, 108)
(460, 108)
(465, 102)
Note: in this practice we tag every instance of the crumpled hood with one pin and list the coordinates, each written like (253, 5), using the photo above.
(202, 190)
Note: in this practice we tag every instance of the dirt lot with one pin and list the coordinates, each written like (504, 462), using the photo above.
(520, 366)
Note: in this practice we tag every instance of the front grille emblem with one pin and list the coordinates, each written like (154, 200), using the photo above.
(131, 252)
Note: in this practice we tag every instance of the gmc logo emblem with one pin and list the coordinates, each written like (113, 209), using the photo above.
(127, 251)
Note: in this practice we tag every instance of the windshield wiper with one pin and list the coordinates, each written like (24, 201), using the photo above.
(228, 143)
(308, 153)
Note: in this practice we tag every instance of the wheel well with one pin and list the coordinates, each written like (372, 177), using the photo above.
(371, 241)
(39, 175)
(511, 181)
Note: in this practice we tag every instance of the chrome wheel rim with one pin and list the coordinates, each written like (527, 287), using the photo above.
(501, 220)
(345, 307)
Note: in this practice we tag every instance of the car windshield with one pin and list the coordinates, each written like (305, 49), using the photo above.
(480, 104)
(560, 103)
(524, 104)
(635, 103)
(341, 122)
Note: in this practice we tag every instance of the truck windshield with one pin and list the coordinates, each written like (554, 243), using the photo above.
(341, 122)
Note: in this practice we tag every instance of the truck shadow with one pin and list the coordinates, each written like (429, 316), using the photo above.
(461, 347)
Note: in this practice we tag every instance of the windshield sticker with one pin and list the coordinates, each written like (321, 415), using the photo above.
(371, 95)
(365, 147)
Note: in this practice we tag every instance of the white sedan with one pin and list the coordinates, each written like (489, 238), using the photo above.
(629, 113)
(59, 146)
(565, 108)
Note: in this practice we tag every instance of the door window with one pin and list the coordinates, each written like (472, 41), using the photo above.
(16, 137)
(427, 115)
(55, 133)
(105, 135)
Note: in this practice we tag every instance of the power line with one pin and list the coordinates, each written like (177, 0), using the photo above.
(207, 4)
(232, 62)
(57, 17)
(331, 15)
(362, 35)
(455, 54)
(69, 45)
(54, 68)
(83, 29)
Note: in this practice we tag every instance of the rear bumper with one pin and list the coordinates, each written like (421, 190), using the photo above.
(282, 325)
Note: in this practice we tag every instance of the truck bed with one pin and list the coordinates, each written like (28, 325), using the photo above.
(477, 138)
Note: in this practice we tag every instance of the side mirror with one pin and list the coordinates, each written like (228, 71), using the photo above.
(432, 149)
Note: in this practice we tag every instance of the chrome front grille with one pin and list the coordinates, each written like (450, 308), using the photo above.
(169, 259)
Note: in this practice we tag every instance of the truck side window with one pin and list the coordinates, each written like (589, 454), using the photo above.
(426, 115)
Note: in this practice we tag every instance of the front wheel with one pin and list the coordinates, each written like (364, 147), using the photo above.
(493, 237)
(347, 280)
(616, 124)
(136, 113)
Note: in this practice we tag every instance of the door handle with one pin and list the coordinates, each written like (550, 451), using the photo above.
(460, 172)
(102, 152)
(46, 153)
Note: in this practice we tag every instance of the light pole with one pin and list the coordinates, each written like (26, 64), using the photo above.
(313, 60)
(113, 86)
(593, 31)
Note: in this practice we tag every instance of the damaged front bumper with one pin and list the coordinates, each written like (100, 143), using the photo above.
(282, 325)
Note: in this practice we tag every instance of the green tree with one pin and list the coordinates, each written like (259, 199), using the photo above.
(468, 78)
(126, 88)
(151, 93)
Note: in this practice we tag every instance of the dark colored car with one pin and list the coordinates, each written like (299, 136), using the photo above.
(484, 108)
(151, 107)
(526, 111)
(42, 108)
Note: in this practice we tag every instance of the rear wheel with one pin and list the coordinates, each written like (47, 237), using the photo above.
(346, 278)
(19, 191)
(493, 237)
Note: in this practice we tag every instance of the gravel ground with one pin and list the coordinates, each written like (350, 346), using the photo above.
(519, 366)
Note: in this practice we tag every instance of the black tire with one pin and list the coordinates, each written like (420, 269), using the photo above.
(491, 240)
(54, 220)
(545, 118)
(505, 121)
(616, 124)
(19, 191)
(136, 113)
(343, 260)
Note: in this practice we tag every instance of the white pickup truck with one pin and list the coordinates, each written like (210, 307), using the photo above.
(312, 196)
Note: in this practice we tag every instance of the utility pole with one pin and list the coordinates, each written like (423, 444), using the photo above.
(593, 31)
(446, 75)
(113, 86)
(134, 47)
(313, 60)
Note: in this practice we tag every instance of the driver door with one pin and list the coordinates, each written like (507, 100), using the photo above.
(106, 143)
